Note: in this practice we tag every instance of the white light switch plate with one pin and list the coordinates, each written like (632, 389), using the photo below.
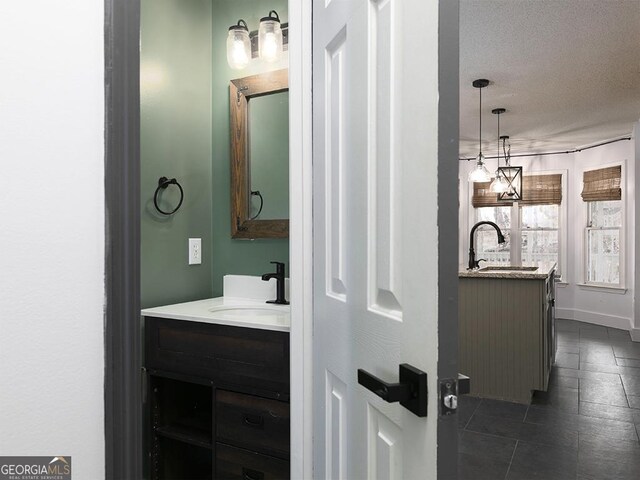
(195, 251)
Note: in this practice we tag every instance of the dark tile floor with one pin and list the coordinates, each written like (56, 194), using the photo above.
(585, 427)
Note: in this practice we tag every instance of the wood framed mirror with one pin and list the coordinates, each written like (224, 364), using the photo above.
(243, 94)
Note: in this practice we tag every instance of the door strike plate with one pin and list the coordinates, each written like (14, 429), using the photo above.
(450, 390)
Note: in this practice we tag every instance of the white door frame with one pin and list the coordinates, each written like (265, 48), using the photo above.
(300, 237)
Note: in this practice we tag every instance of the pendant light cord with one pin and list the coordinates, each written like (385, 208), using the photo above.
(498, 140)
(480, 136)
(504, 150)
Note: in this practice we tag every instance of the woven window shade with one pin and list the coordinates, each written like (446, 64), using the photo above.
(602, 184)
(482, 197)
(542, 190)
(536, 190)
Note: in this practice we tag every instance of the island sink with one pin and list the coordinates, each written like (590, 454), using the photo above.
(509, 268)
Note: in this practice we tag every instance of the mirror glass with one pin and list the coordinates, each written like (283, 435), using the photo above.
(269, 156)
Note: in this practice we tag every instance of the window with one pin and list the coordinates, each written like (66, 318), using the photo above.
(533, 224)
(540, 236)
(602, 192)
(537, 233)
(487, 245)
(603, 233)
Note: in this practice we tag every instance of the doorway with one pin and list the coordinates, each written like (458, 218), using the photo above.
(123, 379)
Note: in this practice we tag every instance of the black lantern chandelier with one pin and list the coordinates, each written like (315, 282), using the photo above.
(508, 181)
(511, 174)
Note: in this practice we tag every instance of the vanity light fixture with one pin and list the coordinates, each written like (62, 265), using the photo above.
(480, 172)
(238, 46)
(499, 184)
(512, 175)
(270, 37)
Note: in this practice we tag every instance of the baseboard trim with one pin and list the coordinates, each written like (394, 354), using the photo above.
(635, 334)
(602, 319)
(564, 313)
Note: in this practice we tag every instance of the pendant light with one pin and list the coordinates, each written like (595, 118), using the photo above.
(499, 184)
(480, 172)
(238, 46)
(511, 174)
(270, 37)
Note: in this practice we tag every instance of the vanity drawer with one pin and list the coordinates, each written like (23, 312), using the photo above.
(236, 463)
(253, 422)
(257, 359)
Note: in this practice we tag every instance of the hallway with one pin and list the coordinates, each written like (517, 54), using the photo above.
(585, 427)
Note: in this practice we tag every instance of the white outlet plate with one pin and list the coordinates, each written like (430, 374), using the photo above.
(195, 251)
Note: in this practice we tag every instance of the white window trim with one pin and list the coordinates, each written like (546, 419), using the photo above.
(598, 287)
(623, 233)
(516, 227)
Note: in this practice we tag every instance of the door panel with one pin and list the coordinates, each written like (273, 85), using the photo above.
(334, 163)
(384, 168)
(335, 426)
(331, 281)
(375, 232)
(384, 446)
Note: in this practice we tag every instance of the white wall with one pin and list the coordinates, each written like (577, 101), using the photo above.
(52, 231)
(635, 334)
(604, 307)
(588, 304)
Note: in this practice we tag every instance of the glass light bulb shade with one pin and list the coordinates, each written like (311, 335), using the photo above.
(499, 184)
(238, 48)
(269, 40)
(480, 172)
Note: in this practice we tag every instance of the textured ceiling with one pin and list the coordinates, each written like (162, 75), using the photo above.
(567, 71)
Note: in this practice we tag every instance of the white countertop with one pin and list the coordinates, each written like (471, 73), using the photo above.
(542, 270)
(233, 311)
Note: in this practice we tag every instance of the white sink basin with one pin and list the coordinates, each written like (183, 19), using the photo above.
(252, 313)
(250, 310)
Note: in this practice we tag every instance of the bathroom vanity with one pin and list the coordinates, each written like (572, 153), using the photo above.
(217, 396)
(506, 339)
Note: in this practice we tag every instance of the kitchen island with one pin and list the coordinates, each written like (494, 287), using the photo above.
(506, 341)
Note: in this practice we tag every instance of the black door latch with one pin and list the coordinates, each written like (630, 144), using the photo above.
(411, 391)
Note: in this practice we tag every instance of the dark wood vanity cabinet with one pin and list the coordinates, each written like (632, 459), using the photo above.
(217, 401)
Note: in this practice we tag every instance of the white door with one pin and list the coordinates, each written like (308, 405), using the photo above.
(375, 167)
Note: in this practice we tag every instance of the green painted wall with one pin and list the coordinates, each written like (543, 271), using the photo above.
(176, 109)
(248, 257)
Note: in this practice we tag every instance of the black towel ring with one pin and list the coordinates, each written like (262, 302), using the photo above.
(257, 194)
(164, 182)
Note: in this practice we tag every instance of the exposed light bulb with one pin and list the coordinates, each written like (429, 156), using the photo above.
(239, 57)
(480, 172)
(238, 46)
(499, 184)
(270, 47)
(270, 37)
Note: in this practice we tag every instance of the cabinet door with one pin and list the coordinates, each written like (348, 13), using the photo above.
(253, 423)
(238, 464)
(548, 340)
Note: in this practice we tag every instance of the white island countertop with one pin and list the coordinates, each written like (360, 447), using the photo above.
(526, 271)
(232, 311)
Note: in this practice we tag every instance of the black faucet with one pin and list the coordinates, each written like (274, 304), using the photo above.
(279, 276)
(473, 263)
